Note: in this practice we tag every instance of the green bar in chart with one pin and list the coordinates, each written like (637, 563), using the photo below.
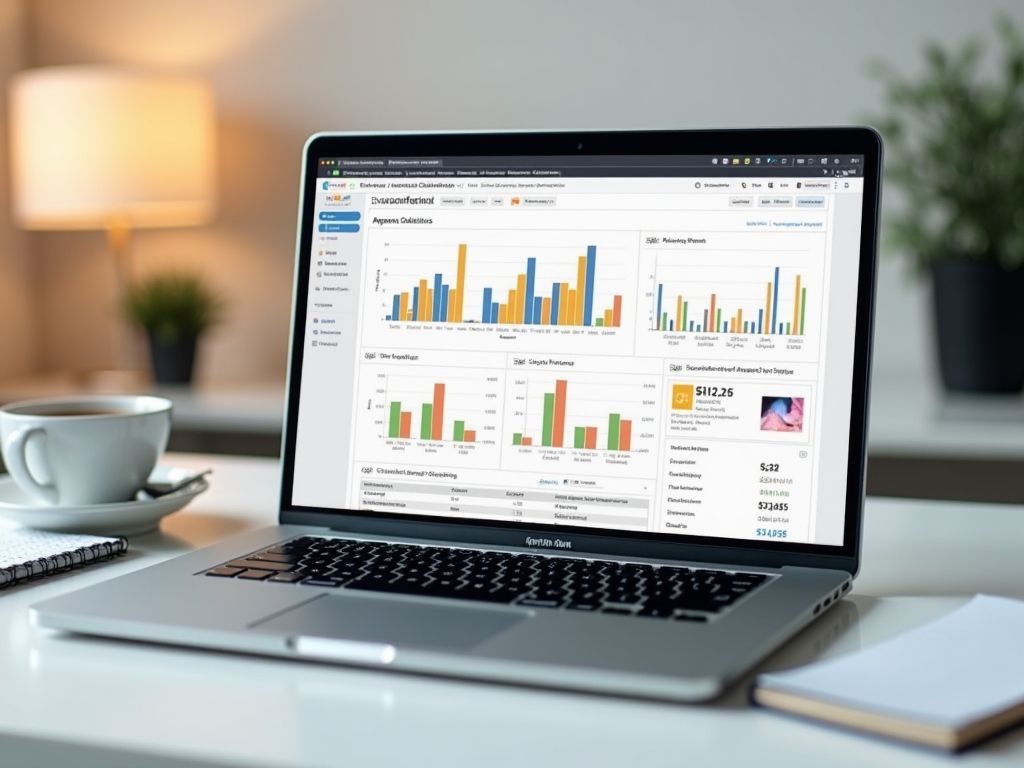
(549, 417)
(395, 422)
(579, 437)
(613, 431)
(517, 438)
(803, 307)
(460, 431)
(426, 421)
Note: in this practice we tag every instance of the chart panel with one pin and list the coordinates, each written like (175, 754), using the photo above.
(510, 289)
(434, 415)
(727, 296)
(582, 423)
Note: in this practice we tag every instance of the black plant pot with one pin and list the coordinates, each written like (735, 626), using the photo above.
(978, 316)
(172, 361)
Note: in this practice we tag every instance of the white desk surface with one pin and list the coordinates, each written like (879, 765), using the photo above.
(921, 559)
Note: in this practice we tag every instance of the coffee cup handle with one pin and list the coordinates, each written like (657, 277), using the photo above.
(18, 467)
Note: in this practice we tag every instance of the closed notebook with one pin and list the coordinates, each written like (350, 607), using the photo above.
(947, 684)
(29, 554)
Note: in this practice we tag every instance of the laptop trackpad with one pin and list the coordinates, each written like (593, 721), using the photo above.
(395, 622)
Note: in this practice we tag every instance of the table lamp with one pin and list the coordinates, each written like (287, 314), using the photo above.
(105, 148)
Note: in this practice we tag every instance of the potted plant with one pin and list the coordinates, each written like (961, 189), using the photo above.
(174, 309)
(955, 149)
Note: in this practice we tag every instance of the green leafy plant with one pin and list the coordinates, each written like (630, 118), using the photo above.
(173, 305)
(955, 147)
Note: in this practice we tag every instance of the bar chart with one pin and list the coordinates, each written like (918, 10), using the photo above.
(431, 423)
(429, 415)
(568, 302)
(729, 306)
(618, 431)
(606, 421)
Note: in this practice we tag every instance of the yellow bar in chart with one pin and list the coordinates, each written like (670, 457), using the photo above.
(563, 304)
(403, 306)
(460, 285)
(422, 313)
(581, 286)
(520, 299)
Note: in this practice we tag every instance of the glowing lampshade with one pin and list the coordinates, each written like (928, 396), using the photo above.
(96, 147)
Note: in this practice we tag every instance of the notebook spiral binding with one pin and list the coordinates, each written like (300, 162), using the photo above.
(59, 563)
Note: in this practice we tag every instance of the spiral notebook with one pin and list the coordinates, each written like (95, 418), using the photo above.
(29, 554)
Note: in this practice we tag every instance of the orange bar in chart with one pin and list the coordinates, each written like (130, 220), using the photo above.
(460, 285)
(545, 311)
(469, 436)
(796, 307)
(405, 424)
(452, 296)
(558, 418)
(570, 308)
(767, 325)
(625, 434)
(563, 304)
(679, 313)
(617, 312)
(590, 438)
(711, 316)
(581, 290)
(437, 414)
(422, 313)
(527, 441)
(739, 321)
(403, 306)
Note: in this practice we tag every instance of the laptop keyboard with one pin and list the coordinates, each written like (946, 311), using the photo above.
(535, 581)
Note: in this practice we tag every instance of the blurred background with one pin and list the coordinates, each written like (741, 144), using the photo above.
(282, 69)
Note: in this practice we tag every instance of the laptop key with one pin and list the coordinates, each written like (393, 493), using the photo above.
(286, 578)
(320, 583)
(536, 602)
(261, 565)
(224, 571)
(274, 558)
(255, 575)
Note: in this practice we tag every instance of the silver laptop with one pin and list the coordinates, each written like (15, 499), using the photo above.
(580, 409)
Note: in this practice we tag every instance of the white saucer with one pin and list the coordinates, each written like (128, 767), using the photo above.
(126, 518)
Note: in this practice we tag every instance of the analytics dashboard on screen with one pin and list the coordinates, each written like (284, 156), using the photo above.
(592, 344)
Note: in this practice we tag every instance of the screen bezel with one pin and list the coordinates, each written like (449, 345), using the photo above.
(609, 542)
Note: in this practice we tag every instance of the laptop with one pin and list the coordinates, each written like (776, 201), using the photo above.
(579, 409)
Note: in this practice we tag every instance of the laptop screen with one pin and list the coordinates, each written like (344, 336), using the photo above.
(660, 345)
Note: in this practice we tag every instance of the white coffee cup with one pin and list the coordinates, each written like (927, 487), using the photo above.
(72, 451)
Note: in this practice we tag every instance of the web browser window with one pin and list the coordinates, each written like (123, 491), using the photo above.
(661, 345)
